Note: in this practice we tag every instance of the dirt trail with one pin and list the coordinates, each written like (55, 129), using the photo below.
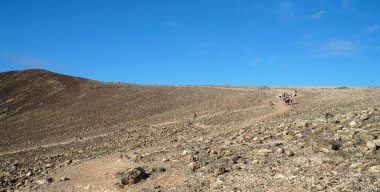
(279, 108)
(226, 88)
(102, 169)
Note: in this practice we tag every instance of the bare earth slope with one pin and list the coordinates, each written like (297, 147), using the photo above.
(61, 133)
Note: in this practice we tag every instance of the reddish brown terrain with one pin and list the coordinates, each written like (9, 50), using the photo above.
(62, 133)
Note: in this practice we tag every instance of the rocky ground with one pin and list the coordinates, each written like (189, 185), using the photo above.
(184, 138)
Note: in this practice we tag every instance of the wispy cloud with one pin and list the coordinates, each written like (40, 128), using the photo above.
(257, 60)
(318, 15)
(27, 61)
(206, 44)
(335, 48)
(170, 23)
(347, 5)
(286, 9)
(372, 28)
(254, 6)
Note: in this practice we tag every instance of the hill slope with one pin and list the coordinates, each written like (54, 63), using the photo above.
(188, 138)
(41, 107)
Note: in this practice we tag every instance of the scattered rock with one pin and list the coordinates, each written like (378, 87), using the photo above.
(132, 176)
(64, 178)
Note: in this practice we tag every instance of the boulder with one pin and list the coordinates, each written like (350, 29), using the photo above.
(132, 176)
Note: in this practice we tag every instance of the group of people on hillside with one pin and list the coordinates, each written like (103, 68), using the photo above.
(288, 97)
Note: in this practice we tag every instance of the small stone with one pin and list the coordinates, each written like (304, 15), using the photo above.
(193, 166)
(343, 165)
(320, 187)
(377, 142)
(161, 169)
(63, 179)
(263, 152)
(136, 157)
(186, 152)
(28, 174)
(219, 170)
(299, 135)
(358, 166)
(365, 117)
(280, 150)
(18, 185)
(44, 181)
(217, 184)
(301, 123)
(48, 165)
(289, 153)
(49, 180)
(329, 115)
(375, 169)
(87, 187)
(165, 159)
(335, 146)
(353, 124)
(191, 158)
(371, 145)
(339, 127)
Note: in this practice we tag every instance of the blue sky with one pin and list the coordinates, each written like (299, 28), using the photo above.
(229, 42)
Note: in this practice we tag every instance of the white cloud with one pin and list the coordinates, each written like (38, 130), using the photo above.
(335, 48)
(318, 15)
(372, 28)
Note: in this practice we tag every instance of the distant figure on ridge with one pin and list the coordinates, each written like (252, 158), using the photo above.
(288, 98)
